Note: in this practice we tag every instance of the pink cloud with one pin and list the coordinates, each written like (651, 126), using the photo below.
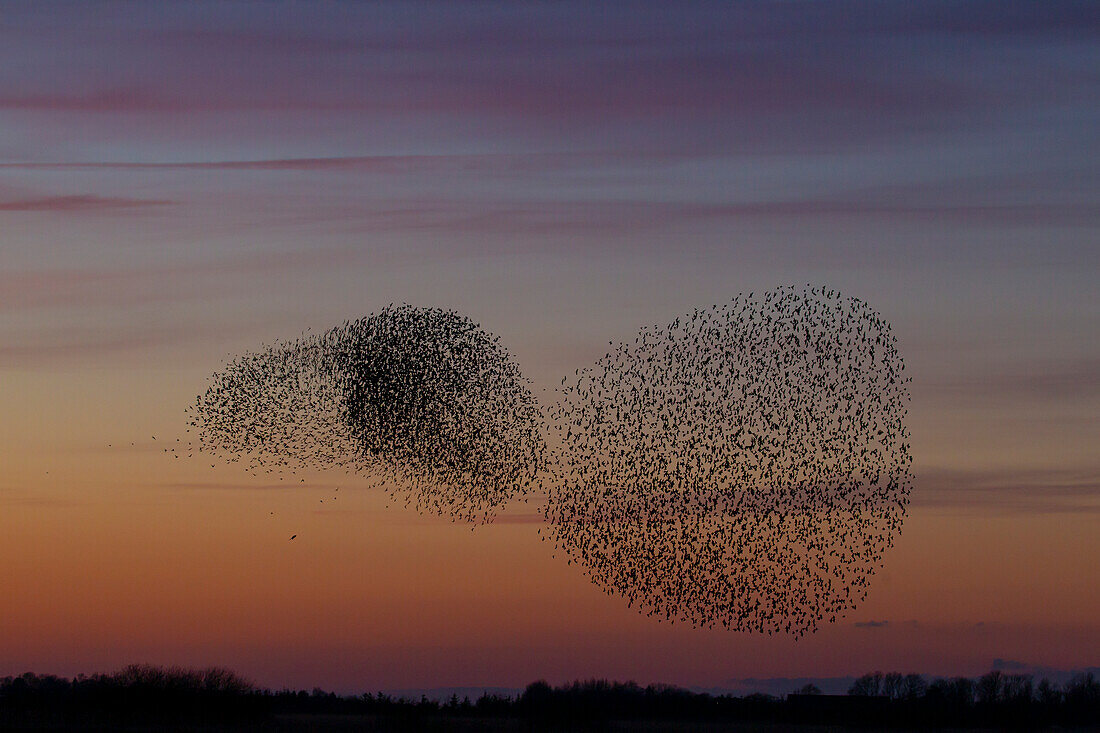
(377, 163)
(77, 203)
(108, 100)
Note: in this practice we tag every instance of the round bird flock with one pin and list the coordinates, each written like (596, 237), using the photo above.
(745, 466)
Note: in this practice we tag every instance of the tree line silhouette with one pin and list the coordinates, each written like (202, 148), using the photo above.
(142, 695)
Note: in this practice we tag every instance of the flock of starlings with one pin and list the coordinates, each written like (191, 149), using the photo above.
(746, 465)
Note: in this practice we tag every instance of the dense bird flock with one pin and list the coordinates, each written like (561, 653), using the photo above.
(422, 401)
(746, 465)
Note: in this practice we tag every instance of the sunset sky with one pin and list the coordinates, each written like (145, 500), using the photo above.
(180, 182)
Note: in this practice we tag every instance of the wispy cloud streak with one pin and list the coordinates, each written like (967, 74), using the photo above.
(1014, 491)
(77, 203)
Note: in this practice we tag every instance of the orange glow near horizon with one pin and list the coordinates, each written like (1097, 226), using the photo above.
(122, 554)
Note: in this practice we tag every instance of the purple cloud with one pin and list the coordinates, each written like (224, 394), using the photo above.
(77, 203)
